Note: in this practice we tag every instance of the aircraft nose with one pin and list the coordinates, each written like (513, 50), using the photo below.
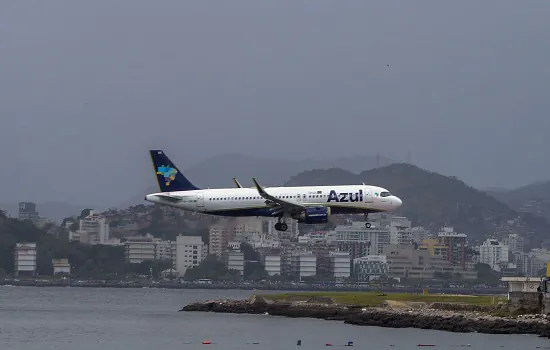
(397, 201)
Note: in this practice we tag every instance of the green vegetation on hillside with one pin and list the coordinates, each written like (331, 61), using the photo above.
(374, 299)
(87, 261)
(168, 228)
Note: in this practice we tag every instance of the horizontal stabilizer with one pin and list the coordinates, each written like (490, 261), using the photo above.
(168, 198)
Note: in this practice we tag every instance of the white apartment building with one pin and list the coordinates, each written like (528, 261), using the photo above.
(142, 248)
(514, 242)
(165, 250)
(94, 229)
(360, 241)
(494, 254)
(235, 261)
(303, 264)
(340, 264)
(400, 230)
(139, 249)
(190, 252)
(272, 263)
(61, 266)
(533, 262)
(25, 258)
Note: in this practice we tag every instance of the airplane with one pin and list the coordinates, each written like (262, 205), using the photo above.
(305, 204)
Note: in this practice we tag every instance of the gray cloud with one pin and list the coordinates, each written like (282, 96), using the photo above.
(87, 87)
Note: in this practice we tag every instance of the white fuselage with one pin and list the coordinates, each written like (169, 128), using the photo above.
(248, 202)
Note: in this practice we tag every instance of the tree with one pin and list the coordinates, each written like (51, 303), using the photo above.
(84, 213)
(209, 268)
(486, 275)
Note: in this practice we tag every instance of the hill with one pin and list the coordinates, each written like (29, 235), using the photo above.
(533, 198)
(433, 200)
(218, 171)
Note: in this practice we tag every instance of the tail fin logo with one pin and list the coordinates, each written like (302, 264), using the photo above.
(168, 173)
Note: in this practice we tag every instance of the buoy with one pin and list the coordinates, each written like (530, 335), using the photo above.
(299, 342)
(206, 342)
(328, 344)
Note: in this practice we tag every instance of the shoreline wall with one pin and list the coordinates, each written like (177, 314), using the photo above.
(429, 318)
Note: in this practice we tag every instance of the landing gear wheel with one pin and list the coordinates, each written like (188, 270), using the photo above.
(281, 226)
(367, 225)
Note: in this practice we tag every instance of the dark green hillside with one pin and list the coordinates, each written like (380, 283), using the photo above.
(87, 261)
(430, 199)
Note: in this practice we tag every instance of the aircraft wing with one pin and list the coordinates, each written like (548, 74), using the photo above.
(278, 204)
(237, 183)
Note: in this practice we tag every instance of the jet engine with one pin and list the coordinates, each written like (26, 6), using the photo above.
(314, 215)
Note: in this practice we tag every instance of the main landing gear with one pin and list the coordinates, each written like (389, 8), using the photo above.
(281, 226)
(367, 224)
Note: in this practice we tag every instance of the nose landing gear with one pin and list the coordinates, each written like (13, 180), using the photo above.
(367, 224)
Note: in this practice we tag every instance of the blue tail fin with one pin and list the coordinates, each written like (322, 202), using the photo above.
(169, 178)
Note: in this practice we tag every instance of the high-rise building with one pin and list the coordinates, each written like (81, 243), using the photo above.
(190, 252)
(303, 264)
(94, 229)
(371, 267)
(514, 243)
(400, 230)
(360, 241)
(235, 261)
(219, 236)
(494, 254)
(340, 264)
(272, 263)
(27, 211)
(456, 245)
(25, 258)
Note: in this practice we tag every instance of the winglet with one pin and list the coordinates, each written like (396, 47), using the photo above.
(258, 187)
(237, 183)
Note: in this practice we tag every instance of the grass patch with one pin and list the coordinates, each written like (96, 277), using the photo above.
(373, 299)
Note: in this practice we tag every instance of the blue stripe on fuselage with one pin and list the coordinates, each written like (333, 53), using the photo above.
(267, 212)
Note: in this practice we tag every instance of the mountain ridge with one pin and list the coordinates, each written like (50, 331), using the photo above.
(433, 200)
(533, 198)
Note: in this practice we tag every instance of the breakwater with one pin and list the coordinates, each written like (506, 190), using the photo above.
(422, 318)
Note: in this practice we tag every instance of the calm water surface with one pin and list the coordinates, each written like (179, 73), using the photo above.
(139, 319)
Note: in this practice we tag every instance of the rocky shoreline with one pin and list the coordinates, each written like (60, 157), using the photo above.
(435, 318)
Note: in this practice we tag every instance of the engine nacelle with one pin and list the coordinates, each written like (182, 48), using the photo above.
(314, 215)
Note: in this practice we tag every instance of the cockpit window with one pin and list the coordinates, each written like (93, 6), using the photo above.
(385, 194)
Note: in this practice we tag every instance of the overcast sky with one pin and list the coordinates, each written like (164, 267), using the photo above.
(87, 87)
